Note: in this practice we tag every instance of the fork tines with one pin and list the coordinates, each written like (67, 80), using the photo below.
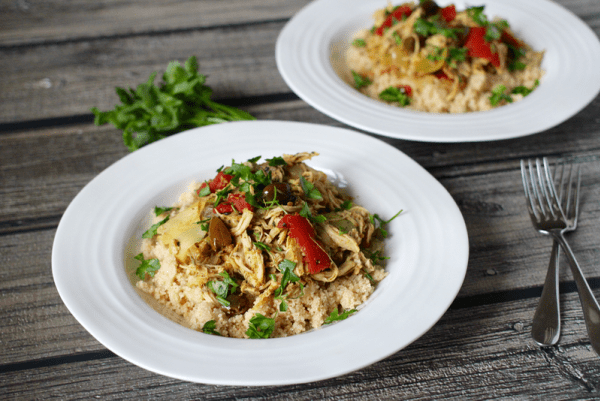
(540, 191)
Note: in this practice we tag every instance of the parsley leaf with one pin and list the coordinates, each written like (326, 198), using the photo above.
(335, 316)
(427, 28)
(287, 268)
(260, 326)
(160, 210)
(456, 54)
(359, 80)
(309, 189)
(151, 232)
(523, 90)
(359, 43)
(151, 112)
(277, 161)
(346, 205)
(305, 212)
(149, 266)
(209, 328)
(477, 15)
(222, 288)
(204, 191)
(393, 94)
(379, 222)
(498, 95)
(262, 246)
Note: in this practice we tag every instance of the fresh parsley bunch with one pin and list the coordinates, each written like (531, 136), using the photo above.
(182, 101)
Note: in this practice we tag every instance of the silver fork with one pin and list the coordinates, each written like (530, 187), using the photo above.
(548, 218)
(545, 328)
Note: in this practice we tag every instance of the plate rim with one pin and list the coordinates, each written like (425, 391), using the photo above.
(76, 300)
(421, 126)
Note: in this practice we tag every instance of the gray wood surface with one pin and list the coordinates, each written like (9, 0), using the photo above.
(59, 59)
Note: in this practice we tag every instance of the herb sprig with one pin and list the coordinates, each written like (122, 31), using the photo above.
(148, 266)
(181, 101)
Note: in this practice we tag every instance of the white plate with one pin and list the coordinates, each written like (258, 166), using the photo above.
(311, 47)
(428, 248)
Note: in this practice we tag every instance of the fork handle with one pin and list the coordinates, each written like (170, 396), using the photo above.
(591, 310)
(545, 328)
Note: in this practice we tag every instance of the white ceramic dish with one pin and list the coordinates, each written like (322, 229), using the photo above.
(98, 235)
(311, 48)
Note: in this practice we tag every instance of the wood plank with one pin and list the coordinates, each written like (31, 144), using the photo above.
(471, 354)
(26, 23)
(506, 253)
(69, 78)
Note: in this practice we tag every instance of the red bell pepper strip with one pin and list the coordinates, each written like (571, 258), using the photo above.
(219, 182)
(224, 208)
(449, 13)
(478, 47)
(441, 75)
(216, 184)
(239, 202)
(406, 88)
(397, 14)
(300, 229)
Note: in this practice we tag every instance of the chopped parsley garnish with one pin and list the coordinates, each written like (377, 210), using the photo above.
(523, 90)
(456, 54)
(305, 212)
(335, 316)
(397, 38)
(204, 191)
(427, 28)
(203, 224)
(277, 161)
(359, 43)
(254, 159)
(346, 205)
(151, 232)
(287, 268)
(494, 30)
(260, 326)
(148, 266)
(360, 81)
(376, 257)
(367, 275)
(309, 189)
(436, 55)
(223, 288)
(393, 94)
(498, 95)
(160, 210)
(262, 246)
(477, 15)
(209, 328)
(379, 222)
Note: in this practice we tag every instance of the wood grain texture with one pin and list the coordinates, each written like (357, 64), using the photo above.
(61, 58)
(471, 354)
(37, 22)
(70, 78)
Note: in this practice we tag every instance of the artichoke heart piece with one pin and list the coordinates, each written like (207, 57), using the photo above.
(183, 230)
(425, 66)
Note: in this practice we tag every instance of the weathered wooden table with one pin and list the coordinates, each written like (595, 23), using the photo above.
(59, 59)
